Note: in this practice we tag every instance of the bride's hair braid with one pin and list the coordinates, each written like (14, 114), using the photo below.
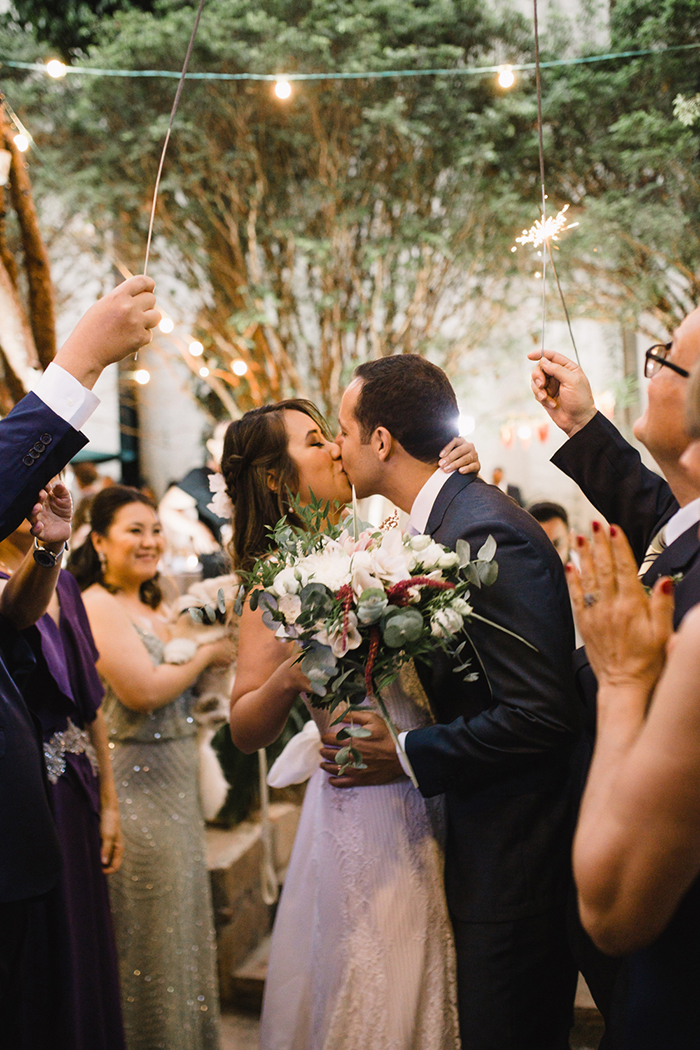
(259, 474)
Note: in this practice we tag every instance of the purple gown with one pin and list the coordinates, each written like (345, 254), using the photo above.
(64, 693)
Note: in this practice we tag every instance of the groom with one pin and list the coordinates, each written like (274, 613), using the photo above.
(500, 749)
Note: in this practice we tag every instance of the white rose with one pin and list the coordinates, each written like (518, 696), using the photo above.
(390, 560)
(286, 582)
(460, 606)
(290, 606)
(430, 557)
(449, 560)
(419, 543)
(445, 622)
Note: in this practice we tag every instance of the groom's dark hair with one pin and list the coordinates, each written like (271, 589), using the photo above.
(413, 399)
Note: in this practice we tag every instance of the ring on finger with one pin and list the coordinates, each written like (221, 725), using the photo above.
(590, 599)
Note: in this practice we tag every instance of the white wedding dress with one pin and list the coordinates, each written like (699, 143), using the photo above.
(362, 956)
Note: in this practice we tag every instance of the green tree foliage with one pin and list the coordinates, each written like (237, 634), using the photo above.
(69, 25)
(616, 152)
(358, 218)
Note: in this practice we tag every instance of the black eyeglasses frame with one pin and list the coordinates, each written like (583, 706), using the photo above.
(654, 362)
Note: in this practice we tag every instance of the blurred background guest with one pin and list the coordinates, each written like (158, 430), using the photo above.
(555, 522)
(161, 898)
(498, 479)
(64, 693)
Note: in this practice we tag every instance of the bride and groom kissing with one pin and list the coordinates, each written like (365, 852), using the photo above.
(367, 937)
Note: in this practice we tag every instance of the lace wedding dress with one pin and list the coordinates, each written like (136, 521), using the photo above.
(362, 953)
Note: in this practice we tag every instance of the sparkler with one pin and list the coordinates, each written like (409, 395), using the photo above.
(546, 229)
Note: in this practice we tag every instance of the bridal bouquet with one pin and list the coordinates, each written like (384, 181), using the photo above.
(361, 602)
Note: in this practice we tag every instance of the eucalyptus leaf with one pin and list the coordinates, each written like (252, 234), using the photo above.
(197, 614)
(488, 550)
(254, 599)
(465, 553)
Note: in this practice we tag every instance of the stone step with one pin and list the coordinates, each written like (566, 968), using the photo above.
(248, 980)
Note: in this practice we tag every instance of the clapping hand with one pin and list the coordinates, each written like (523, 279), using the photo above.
(625, 630)
(51, 515)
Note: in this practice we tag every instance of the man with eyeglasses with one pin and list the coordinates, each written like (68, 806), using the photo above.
(660, 516)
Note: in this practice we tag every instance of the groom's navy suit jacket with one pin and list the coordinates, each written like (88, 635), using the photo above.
(501, 748)
(35, 444)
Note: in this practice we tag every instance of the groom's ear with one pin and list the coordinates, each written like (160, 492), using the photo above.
(382, 443)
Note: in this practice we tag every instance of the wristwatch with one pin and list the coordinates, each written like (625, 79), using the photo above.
(46, 558)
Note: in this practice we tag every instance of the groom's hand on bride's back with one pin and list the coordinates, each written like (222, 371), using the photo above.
(378, 753)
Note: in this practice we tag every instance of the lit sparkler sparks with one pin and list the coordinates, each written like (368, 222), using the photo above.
(546, 229)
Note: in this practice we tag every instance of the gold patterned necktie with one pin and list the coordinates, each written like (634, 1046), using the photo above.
(657, 545)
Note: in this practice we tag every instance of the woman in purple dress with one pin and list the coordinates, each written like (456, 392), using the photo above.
(64, 693)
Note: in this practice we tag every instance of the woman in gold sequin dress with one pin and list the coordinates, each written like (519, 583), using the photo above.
(161, 898)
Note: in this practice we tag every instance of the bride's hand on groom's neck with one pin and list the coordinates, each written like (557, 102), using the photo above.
(459, 455)
(378, 753)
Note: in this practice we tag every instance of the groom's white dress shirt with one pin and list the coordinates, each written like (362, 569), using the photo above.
(417, 521)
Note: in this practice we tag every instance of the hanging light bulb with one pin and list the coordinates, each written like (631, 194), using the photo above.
(142, 376)
(204, 371)
(21, 142)
(239, 368)
(56, 68)
(506, 78)
(196, 348)
(283, 88)
(166, 324)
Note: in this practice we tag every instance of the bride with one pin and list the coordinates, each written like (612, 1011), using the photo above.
(362, 952)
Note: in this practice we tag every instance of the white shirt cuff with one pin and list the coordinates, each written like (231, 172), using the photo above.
(400, 751)
(64, 395)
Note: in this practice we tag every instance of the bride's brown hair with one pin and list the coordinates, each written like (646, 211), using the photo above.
(259, 475)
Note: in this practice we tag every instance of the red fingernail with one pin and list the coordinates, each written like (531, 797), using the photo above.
(613, 530)
(595, 525)
(667, 586)
(580, 540)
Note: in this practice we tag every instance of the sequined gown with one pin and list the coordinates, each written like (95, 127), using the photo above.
(362, 955)
(161, 898)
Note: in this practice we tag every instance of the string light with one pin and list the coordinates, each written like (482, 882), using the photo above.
(467, 424)
(21, 142)
(166, 324)
(204, 371)
(506, 78)
(283, 88)
(56, 68)
(196, 348)
(142, 376)
(239, 368)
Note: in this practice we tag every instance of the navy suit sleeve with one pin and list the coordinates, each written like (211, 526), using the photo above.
(530, 715)
(610, 473)
(35, 444)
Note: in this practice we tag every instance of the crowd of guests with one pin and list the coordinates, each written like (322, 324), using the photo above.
(106, 928)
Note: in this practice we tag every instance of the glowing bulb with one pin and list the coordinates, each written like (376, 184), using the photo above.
(239, 368)
(192, 561)
(524, 432)
(166, 324)
(56, 69)
(283, 88)
(21, 142)
(506, 78)
(204, 371)
(142, 376)
(196, 348)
